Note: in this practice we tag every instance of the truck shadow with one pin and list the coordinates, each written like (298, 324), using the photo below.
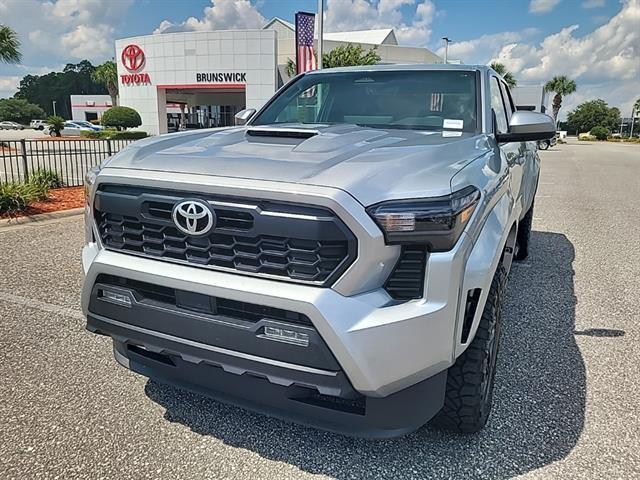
(538, 411)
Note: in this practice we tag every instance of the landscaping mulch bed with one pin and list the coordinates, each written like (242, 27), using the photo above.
(59, 199)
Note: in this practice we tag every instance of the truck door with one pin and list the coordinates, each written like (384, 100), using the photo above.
(530, 162)
(513, 153)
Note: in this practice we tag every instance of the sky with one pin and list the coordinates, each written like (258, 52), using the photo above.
(595, 42)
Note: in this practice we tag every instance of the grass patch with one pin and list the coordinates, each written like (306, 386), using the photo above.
(16, 196)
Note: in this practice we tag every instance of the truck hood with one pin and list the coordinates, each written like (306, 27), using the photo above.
(372, 164)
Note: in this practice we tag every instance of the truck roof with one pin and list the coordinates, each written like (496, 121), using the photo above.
(402, 67)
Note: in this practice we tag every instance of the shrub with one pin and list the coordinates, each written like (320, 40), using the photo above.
(135, 135)
(15, 197)
(115, 135)
(92, 134)
(56, 124)
(600, 132)
(121, 118)
(47, 178)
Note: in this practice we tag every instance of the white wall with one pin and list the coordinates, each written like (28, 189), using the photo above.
(88, 103)
(174, 59)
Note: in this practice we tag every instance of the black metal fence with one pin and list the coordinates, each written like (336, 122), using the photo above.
(70, 159)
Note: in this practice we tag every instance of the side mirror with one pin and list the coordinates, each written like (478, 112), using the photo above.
(528, 126)
(243, 116)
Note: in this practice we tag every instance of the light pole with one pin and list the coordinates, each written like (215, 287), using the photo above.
(54, 108)
(633, 119)
(446, 41)
(320, 31)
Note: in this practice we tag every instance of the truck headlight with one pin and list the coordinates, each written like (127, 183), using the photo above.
(89, 180)
(436, 222)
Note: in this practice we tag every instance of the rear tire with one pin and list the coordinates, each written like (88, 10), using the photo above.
(469, 392)
(543, 144)
(524, 236)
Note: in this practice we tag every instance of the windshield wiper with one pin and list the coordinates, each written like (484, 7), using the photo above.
(396, 126)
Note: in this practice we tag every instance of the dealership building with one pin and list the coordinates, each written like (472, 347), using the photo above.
(201, 79)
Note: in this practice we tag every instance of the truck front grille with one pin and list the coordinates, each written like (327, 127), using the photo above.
(251, 236)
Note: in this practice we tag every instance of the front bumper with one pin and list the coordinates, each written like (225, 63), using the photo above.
(382, 347)
(392, 356)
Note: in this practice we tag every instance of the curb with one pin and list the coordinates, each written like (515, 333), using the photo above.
(41, 217)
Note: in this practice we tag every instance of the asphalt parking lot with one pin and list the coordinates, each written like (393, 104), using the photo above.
(566, 402)
(27, 133)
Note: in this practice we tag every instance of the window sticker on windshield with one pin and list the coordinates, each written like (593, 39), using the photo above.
(448, 123)
(446, 134)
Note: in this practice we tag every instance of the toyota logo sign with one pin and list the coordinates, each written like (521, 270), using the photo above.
(193, 217)
(132, 58)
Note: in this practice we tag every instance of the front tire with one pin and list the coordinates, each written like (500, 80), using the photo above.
(469, 392)
(543, 145)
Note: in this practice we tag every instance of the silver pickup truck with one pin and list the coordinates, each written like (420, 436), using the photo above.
(339, 259)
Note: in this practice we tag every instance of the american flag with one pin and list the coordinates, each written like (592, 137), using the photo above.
(305, 60)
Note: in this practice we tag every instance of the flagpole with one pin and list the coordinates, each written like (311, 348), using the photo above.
(320, 32)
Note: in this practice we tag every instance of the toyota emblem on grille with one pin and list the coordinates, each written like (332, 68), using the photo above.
(193, 217)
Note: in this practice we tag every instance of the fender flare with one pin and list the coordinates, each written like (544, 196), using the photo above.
(493, 246)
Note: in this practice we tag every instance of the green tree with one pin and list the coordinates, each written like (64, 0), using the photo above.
(506, 75)
(19, 110)
(562, 86)
(349, 55)
(107, 75)
(9, 46)
(121, 118)
(591, 114)
(59, 86)
(600, 132)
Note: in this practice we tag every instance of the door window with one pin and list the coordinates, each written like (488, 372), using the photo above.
(508, 101)
(497, 105)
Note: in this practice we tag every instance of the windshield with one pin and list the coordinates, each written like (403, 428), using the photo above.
(420, 100)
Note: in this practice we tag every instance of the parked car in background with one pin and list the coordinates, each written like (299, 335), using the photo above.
(338, 258)
(545, 144)
(84, 123)
(38, 124)
(11, 126)
(71, 129)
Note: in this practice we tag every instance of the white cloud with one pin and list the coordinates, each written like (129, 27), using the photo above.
(604, 63)
(8, 85)
(482, 49)
(542, 6)
(65, 29)
(221, 15)
(593, 4)
(346, 15)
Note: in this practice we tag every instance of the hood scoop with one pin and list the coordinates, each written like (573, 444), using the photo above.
(299, 133)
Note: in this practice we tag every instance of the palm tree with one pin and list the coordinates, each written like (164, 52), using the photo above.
(9, 46)
(562, 86)
(506, 75)
(107, 75)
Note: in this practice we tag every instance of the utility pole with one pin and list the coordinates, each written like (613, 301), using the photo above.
(54, 108)
(320, 16)
(633, 119)
(446, 41)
